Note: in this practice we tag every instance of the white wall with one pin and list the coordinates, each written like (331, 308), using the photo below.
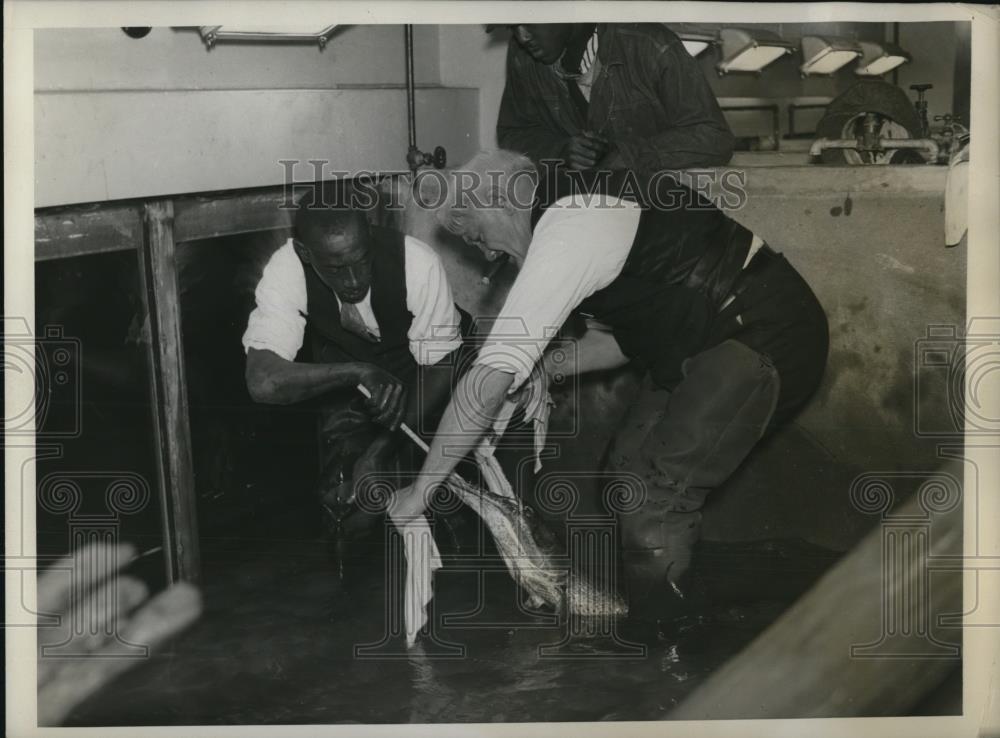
(108, 146)
(470, 57)
(176, 59)
(933, 47)
(117, 117)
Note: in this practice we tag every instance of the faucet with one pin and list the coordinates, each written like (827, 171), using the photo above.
(869, 141)
(415, 158)
(926, 144)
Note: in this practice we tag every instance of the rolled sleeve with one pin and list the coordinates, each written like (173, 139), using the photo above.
(575, 250)
(436, 327)
(278, 321)
(514, 346)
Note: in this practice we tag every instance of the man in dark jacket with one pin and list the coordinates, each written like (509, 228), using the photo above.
(612, 96)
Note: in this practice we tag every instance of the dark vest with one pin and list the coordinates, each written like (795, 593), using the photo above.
(330, 342)
(684, 260)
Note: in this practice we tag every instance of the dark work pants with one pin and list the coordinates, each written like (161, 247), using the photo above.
(345, 433)
(682, 444)
(685, 441)
(345, 427)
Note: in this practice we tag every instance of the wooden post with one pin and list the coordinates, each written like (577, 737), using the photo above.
(854, 645)
(172, 433)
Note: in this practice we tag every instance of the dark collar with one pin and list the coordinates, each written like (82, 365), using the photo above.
(573, 54)
(607, 46)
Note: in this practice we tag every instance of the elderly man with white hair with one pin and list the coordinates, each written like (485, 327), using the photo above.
(731, 339)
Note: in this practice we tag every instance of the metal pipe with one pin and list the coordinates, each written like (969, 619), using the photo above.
(415, 158)
(411, 118)
(926, 144)
(895, 41)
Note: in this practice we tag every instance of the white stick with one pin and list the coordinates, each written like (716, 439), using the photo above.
(402, 426)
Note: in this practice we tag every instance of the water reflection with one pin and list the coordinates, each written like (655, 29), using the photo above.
(277, 644)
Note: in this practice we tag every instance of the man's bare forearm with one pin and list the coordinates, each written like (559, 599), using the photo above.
(274, 380)
(474, 404)
(596, 350)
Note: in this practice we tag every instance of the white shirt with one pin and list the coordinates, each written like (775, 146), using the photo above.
(589, 66)
(577, 248)
(278, 322)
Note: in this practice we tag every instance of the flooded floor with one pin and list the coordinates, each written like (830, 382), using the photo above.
(279, 637)
(284, 640)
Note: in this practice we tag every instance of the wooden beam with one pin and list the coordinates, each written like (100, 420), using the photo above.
(247, 211)
(65, 232)
(117, 226)
(229, 214)
(172, 434)
(865, 641)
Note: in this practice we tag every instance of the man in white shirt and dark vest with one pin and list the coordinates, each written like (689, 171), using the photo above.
(732, 340)
(343, 303)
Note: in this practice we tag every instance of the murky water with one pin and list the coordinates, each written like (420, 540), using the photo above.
(280, 636)
(278, 642)
(284, 640)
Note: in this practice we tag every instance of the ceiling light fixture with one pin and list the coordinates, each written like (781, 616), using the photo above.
(824, 55)
(750, 50)
(695, 42)
(212, 35)
(879, 58)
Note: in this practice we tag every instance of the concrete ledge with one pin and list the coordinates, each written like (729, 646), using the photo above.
(764, 177)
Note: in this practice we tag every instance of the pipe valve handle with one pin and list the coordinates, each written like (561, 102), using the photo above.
(415, 158)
